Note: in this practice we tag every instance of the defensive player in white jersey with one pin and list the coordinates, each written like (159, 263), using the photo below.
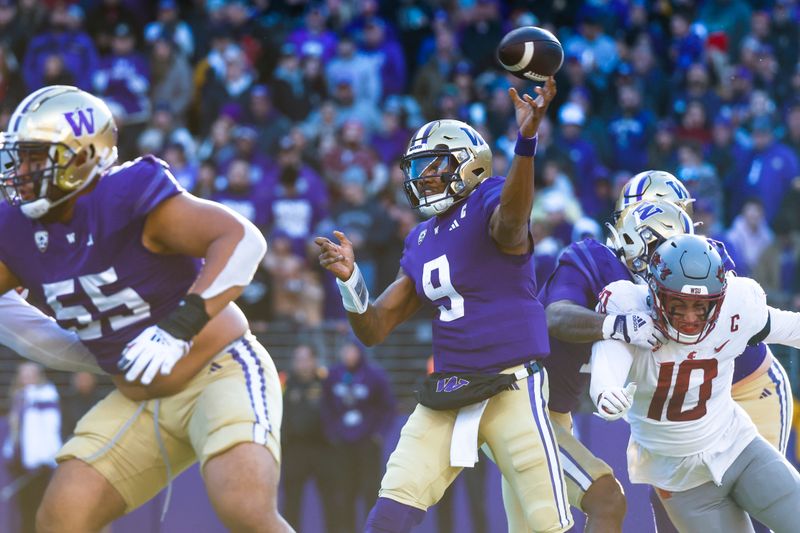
(689, 439)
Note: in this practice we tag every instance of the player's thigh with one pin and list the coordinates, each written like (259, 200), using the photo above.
(581, 467)
(118, 438)
(516, 427)
(768, 401)
(418, 471)
(79, 497)
(767, 486)
(705, 508)
(240, 402)
(243, 478)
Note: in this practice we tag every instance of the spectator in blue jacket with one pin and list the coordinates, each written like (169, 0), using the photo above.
(358, 409)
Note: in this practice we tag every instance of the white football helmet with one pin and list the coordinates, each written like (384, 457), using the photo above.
(59, 140)
(642, 227)
(653, 185)
(451, 151)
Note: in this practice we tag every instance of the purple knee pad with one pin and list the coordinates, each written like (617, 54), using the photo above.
(389, 516)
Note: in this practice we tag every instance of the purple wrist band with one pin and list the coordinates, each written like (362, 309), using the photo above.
(526, 146)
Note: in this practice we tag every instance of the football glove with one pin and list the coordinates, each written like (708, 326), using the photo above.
(612, 404)
(636, 329)
(152, 351)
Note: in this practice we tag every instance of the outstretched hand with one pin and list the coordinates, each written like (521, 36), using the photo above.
(338, 258)
(530, 111)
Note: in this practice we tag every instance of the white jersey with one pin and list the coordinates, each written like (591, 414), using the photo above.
(685, 427)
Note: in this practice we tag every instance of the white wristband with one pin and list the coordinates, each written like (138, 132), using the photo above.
(355, 296)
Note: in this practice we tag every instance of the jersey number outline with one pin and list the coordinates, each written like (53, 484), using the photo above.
(445, 288)
(675, 411)
(89, 328)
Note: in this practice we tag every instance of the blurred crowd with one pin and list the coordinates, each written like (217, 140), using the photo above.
(295, 114)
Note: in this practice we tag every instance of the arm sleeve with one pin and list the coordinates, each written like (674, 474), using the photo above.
(610, 363)
(37, 337)
(782, 327)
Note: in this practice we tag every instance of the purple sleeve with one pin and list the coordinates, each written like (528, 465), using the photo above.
(489, 195)
(567, 283)
(145, 185)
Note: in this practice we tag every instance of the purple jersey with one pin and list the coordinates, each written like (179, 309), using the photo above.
(92, 273)
(583, 270)
(489, 318)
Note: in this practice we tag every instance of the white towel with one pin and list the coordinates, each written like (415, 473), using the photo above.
(464, 442)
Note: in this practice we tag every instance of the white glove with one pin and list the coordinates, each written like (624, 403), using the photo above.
(614, 403)
(152, 350)
(635, 328)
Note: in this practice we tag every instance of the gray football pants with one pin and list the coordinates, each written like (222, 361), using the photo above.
(760, 482)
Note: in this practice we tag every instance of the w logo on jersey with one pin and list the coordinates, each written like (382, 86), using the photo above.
(85, 120)
(451, 384)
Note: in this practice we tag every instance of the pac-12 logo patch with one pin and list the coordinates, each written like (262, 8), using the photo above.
(42, 239)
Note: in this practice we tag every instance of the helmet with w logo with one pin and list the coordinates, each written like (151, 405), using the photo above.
(59, 139)
(450, 151)
(653, 185)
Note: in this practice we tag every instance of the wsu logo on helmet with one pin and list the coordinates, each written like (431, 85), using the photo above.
(85, 120)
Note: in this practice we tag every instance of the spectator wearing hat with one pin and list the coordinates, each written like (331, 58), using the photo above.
(662, 150)
(585, 165)
(122, 80)
(597, 50)
(231, 87)
(352, 63)
(383, 49)
(391, 140)
(103, 18)
(313, 37)
(269, 123)
(348, 108)
(629, 131)
(239, 194)
(725, 151)
(358, 410)
(481, 33)
(245, 146)
(171, 78)
(436, 71)
(168, 25)
(64, 42)
(296, 198)
(768, 173)
(729, 16)
(290, 90)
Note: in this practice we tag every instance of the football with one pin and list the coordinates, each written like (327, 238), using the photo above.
(530, 53)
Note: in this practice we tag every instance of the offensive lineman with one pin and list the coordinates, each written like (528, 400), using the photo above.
(113, 252)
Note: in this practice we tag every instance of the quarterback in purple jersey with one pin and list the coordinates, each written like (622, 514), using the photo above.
(115, 254)
(473, 261)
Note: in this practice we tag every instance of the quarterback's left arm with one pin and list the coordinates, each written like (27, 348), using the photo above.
(509, 223)
(232, 248)
(782, 327)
